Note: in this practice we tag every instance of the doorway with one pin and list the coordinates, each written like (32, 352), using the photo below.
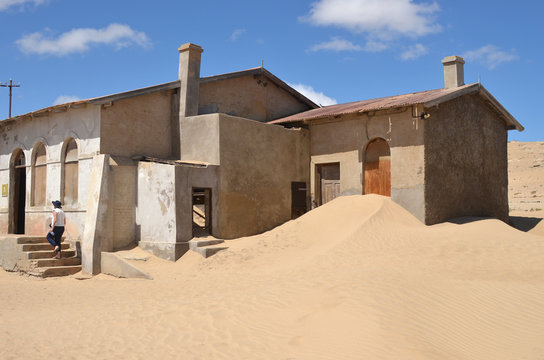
(327, 185)
(17, 193)
(298, 199)
(202, 212)
(377, 168)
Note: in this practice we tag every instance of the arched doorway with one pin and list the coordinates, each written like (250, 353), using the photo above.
(17, 196)
(377, 168)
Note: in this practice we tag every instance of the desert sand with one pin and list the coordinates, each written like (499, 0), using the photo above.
(358, 278)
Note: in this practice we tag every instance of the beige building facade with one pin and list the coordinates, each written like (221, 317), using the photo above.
(441, 153)
(238, 154)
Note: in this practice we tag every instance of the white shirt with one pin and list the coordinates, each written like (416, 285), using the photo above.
(60, 217)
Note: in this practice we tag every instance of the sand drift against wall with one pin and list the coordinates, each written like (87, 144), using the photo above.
(357, 278)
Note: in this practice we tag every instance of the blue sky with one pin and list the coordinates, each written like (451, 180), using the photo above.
(333, 50)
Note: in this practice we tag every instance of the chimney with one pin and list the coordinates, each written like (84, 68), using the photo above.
(189, 77)
(454, 75)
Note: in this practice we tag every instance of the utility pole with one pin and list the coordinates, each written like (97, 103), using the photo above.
(11, 85)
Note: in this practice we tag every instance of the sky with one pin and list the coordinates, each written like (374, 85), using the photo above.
(333, 51)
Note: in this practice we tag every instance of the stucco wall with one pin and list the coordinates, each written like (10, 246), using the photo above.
(164, 206)
(52, 129)
(200, 139)
(258, 164)
(344, 139)
(124, 182)
(465, 161)
(140, 125)
(252, 97)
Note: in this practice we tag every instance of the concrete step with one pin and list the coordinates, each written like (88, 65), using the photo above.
(48, 254)
(69, 261)
(43, 247)
(32, 240)
(193, 244)
(56, 271)
(208, 251)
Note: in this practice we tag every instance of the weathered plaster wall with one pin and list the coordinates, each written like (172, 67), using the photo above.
(52, 129)
(200, 139)
(164, 211)
(156, 208)
(252, 97)
(140, 125)
(465, 161)
(344, 139)
(258, 164)
(98, 230)
(124, 182)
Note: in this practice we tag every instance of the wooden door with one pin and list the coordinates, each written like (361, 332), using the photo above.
(377, 168)
(330, 189)
(327, 182)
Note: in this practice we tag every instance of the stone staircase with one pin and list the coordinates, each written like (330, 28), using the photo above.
(42, 263)
(206, 247)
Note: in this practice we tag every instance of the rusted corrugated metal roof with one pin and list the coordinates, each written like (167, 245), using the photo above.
(389, 102)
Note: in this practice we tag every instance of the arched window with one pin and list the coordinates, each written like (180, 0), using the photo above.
(69, 187)
(39, 179)
(377, 168)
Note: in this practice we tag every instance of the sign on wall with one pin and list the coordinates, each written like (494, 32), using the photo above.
(4, 190)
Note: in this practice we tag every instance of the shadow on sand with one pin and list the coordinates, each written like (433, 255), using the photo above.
(522, 223)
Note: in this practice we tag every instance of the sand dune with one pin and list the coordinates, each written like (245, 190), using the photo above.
(526, 185)
(358, 278)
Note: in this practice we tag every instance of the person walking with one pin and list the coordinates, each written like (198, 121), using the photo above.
(58, 221)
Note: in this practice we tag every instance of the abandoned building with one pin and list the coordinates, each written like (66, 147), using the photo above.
(240, 153)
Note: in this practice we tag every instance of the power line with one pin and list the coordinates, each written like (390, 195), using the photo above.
(11, 85)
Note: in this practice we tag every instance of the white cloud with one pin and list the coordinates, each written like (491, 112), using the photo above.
(336, 44)
(63, 99)
(236, 34)
(315, 96)
(6, 4)
(80, 40)
(414, 52)
(490, 55)
(375, 46)
(378, 19)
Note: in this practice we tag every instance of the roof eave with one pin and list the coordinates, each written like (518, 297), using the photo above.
(132, 93)
(511, 122)
(464, 90)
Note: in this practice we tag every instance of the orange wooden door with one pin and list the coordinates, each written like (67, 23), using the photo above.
(378, 177)
(377, 168)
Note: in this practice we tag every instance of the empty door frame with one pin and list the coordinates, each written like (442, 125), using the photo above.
(17, 193)
(298, 199)
(202, 211)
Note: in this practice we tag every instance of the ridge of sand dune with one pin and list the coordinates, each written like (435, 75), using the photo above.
(357, 278)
